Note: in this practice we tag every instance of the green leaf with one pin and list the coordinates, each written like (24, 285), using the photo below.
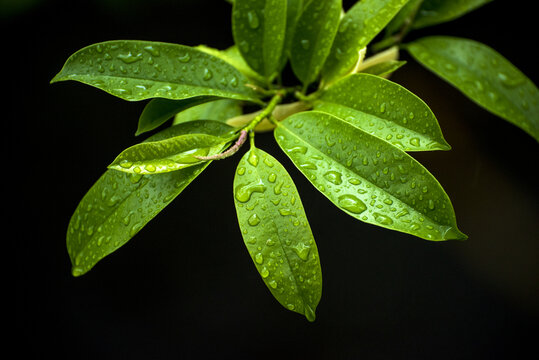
(314, 35)
(293, 11)
(218, 110)
(406, 14)
(138, 70)
(259, 28)
(384, 109)
(366, 177)
(384, 68)
(276, 232)
(172, 154)
(158, 111)
(434, 12)
(119, 205)
(358, 27)
(233, 57)
(483, 75)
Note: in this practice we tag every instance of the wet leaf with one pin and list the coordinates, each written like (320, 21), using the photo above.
(138, 70)
(172, 154)
(384, 109)
(158, 111)
(385, 68)
(434, 12)
(218, 110)
(483, 75)
(314, 35)
(366, 177)
(276, 232)
(119, 205)
(356, 30)
(259, 28)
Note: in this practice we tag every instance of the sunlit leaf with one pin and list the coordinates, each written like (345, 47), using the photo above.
(483, 75)
(138, 70)
(358, 27)
(276, 232)
(119, 205)
(366, 177)
(384, 109)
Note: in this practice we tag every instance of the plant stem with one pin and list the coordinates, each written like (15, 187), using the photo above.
(277, 98)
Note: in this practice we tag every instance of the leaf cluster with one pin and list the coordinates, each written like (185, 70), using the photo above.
(345, 126)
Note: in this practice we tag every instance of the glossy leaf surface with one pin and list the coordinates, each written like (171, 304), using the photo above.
(384, 68)
(138, 70)
(384, 109)
(484, 76)
(218, 110)
(366, 177)
(276, 232)
(434, 12)
(232, 56)
(314, 35)
(259, 28)
(172, 154)
(406, 14)
(119, 205)
(358, 27)
(158, 111)
(293, 11)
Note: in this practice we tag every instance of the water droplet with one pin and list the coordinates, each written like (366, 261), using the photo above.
(150, 168)
(254, 220)
(309, 313)
(252, 19)
(135, 229)
(241, 170)
(415, 142)
(333, 177)
(272, 177)
(382, 219)
(286, 212)
(302, 251)
(253, 158)
(259, 258)
(277, 188)
(207, 74)
(264, 272)
(290, 306)
(243, 192)
(273, 284)
(129, 58)
(185, 58)
(308, 165)
(153, 51)
(305, 44)
(383, 107)
(297, 149)
(352, 204)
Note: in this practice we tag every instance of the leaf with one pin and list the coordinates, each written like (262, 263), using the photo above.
(232, 56)
(483, 75)
(366, 177)
(315, 32)
(172, 154)
(276, 232)
(358, 27)
(434, 12)
(218, 110)
(405, 15)
(119, 205)
(293, 11)
(384, 68)
(259, 28)
(158, 111)
(138, 70)
(384, 109)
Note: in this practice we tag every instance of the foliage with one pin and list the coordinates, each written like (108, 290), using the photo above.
(346, 127)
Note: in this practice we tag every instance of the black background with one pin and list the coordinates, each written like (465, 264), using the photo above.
(185, 286)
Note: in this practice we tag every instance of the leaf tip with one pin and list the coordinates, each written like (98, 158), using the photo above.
(77, 271)
(454, 234)
(309, 313)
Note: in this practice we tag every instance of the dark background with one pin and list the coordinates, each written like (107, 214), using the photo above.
(185, 286)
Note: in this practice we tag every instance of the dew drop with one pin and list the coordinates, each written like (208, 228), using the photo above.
(264, 272)
(129, 58)
(273, 284)
(259, 258)
(333, 177)
(415, 142)
(253, 159)
(382, 219)
(207, 74)
(185, 58)
(302, 251)
(305, 44)
(352, 204)
(272, 177)
(243, 192)
(254, 220)
(252, 20)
